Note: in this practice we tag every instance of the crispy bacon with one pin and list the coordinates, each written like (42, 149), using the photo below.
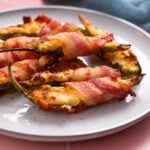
(72, 44)
(80, 74)
(76, 96)
(16, 56)
(99, 90)
(87, 73)
(30, 27)
(27, 19)
(49, 30)
(43, 18)
(125, 61)
(51, 26)
(42, 25)
(22, 70)
(19, 42)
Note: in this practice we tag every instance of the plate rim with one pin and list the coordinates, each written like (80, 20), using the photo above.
(71, 138)
(88, 135)
(78, 8)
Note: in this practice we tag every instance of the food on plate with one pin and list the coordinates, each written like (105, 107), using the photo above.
(76, 96)
(92, 30)
(44, 60)
(69, 44)
(41, 25)
(125, 61)
(31, 27)
(19, 42)
(16, 56)
(23, 70)
(74, 75)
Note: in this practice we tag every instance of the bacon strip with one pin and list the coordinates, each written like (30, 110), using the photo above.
(58, 28)
(23, 70)
(31, 27)
(72, 44)
(20, 42)
(87, 73)
(41, 26)
(16, 56)
(99, 90)
(76, 96)
(80, 74)
(51, 26)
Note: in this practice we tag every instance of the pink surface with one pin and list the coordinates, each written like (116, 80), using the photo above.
(10, 4)
(136, 137)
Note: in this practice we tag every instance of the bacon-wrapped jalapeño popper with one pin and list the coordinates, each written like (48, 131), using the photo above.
(76, 96)
(40, 26)
(125, 61)
(68, 44)
(29, 28)
(73, 75)
(16, 56)
(23, 70)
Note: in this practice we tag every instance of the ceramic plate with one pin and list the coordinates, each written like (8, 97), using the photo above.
(20, 118)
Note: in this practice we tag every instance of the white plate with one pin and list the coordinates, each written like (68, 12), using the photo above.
(22, 119)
